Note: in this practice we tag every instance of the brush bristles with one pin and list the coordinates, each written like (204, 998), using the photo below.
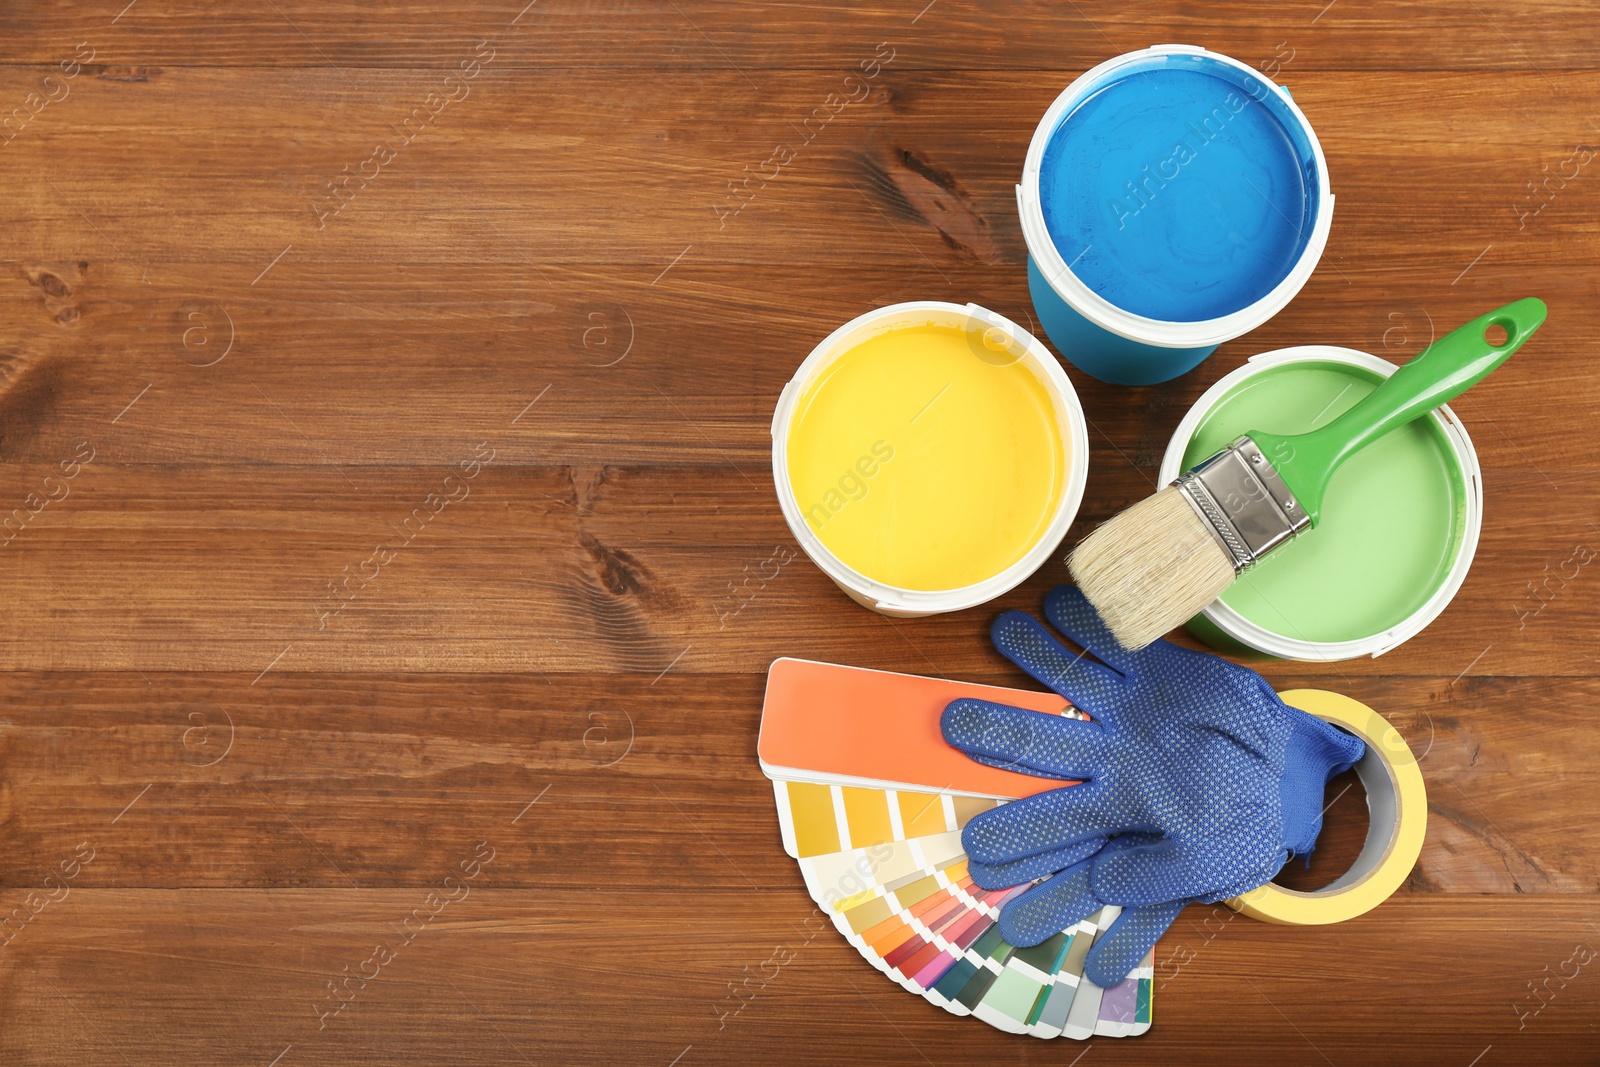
(1151, 568)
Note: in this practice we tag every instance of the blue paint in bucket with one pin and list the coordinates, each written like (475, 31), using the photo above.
(1173, 199)
(1189, 198)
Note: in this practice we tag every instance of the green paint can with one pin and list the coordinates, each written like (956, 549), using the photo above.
(1399, 525)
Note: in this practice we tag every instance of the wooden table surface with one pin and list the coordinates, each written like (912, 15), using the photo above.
(533, 347)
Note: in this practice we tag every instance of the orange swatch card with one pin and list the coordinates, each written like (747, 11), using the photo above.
(823, 722)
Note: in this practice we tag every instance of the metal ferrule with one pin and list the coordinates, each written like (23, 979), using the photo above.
(1243, 502)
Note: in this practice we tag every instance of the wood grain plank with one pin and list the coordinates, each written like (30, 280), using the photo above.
(702, 34)
(246, 159)
(508, 976)
(600, 568)
(466, 352)
(370, 780)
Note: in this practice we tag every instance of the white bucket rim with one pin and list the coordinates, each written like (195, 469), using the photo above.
(1102, 312)
(1071, 423)
(1272, 643)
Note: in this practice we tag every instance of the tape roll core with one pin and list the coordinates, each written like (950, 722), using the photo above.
(1397, 804)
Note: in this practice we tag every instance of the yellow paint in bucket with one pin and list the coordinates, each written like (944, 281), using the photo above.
(921, 464)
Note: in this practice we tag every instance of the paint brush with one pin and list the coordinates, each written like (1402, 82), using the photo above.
(1161, 561)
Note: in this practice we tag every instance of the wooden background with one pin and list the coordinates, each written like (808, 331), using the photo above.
(550, 274)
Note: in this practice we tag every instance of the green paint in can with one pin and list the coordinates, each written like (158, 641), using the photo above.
(1398, 526)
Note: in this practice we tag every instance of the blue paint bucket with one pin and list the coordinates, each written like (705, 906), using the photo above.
(1172, 199)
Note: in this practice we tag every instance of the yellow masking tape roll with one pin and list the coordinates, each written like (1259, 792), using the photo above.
(1397, 804)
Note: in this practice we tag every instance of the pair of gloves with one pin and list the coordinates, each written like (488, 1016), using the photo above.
(1197, 783)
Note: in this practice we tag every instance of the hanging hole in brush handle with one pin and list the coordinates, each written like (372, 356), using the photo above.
(1440, 373)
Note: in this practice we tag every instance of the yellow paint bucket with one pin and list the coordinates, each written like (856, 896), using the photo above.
(929, 457)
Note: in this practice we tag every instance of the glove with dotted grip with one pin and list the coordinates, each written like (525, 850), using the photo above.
(1197, 783)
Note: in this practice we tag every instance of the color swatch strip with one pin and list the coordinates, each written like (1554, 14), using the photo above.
(822, 819)
(896, 885)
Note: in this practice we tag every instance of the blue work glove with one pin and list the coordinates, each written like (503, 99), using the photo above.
(1198, 783)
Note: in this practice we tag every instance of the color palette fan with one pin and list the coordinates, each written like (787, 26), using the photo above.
(887, 866)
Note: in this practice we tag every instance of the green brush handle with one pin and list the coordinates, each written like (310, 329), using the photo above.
(1440, 373)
